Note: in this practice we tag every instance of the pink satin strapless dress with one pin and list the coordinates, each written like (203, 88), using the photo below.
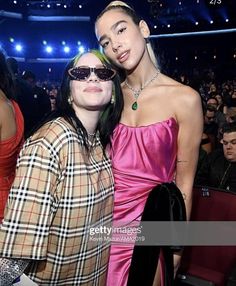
(142, 158)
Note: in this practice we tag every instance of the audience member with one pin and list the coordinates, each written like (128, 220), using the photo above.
(210, 126)
(219, 116)
(40, 98)
(219, 169)
(24, 96)
(11, 132)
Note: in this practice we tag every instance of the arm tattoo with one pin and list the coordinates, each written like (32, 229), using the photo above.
(182, 161)
(10, 269)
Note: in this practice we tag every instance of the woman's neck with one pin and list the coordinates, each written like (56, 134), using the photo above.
(89, 119)
(141, 73)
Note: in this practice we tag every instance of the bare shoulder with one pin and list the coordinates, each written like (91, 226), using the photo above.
(5, 108)
(180, 93)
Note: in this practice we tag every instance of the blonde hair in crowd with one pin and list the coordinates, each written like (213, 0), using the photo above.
(131, 12)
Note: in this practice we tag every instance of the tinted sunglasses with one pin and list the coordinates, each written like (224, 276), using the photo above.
(84, 72)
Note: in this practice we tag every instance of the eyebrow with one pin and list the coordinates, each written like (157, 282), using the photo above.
(113, 27)
(230, 141)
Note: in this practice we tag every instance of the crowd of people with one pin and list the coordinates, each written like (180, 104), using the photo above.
(97, 150)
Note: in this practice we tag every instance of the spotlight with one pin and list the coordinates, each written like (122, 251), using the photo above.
(227, 20)
(66, 49)
(196, 23)
(211, 22)
(81, 49)
(49, 49)
(18, 48)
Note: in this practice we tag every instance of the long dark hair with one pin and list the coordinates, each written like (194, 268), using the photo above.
(110, 115)
(6, 78)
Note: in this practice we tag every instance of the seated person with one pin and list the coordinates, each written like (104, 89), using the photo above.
(210, 125)
(219, 168)
(206, 144)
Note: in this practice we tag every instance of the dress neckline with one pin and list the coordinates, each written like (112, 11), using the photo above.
(151, 124)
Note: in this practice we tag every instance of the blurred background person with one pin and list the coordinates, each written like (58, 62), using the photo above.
(40, 98)
(219, 168)
(24, 96)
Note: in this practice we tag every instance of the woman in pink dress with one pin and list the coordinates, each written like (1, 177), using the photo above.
(154, 142)
(11, 133)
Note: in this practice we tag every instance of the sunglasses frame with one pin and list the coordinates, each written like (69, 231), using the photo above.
(91, 69)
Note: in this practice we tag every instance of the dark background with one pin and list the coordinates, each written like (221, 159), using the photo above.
(179, 48)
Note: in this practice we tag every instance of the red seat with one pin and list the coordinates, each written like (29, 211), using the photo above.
(210, 263)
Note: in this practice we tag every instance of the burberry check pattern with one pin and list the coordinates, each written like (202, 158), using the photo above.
(59, 192)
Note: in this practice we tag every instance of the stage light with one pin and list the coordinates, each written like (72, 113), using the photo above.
(227, 20)
(66, 49)
(49, 49)
(18, 48)
(168, 26)
(63, 43)
(44, 42)
(48, 6)
(196, 23)
(81, 49)
(211, 22)
(15, 2)
(155, 27)
(11, 40)
(80, 6)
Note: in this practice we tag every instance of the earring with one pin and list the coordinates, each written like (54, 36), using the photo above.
(70, 100)
(112, 99)
(113, 96)
(147, 40)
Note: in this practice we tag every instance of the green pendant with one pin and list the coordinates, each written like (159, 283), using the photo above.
(135, 105)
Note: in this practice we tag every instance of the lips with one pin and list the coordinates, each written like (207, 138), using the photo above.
(123, 57)
(92, 89)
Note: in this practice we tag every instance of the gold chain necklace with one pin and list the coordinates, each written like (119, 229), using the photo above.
(136, 92)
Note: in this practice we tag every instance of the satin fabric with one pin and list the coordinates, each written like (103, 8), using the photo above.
(9, 150)
(142, 157)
